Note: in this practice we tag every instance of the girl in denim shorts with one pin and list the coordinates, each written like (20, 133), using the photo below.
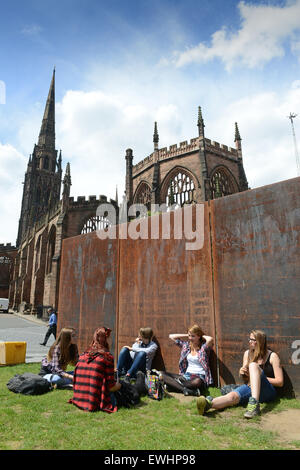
(262, 373)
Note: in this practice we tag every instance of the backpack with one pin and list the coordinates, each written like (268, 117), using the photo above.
(154, 386)
(127, 395)
(29, 384)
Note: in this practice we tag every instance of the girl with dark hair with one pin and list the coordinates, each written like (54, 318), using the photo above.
(63, 352)
(94, 379)
(195, 374)
(262, 373)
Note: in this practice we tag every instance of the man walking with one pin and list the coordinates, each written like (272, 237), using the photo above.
(52, 326)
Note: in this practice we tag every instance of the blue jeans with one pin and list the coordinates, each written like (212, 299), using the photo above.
(267, 391)
(131, 366)
(58, 380)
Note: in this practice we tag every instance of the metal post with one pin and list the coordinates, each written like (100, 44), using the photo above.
(291, 117)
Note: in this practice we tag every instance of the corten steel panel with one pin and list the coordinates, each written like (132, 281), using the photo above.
(166, 287)
(88, 286)
(256, 252)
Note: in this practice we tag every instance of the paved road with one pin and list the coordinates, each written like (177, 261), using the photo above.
(16, 328)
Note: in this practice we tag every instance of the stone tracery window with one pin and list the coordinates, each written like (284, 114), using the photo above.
(143, 195)
(181, 189)
(37, 253)
(50, 249)
(221, 184)
(96, 223)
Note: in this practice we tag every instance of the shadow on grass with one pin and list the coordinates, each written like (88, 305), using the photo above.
(268, 407)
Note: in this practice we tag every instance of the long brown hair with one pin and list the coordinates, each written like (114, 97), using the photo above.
(68, 350)
(260, 349)
(196, 330)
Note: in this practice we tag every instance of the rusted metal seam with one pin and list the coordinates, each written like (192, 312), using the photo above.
(213, 288)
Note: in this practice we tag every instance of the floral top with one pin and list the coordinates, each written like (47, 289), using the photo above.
(203, 357)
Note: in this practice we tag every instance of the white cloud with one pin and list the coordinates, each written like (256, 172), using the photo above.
(12, 168)
(268, 147)
(94, 129)
(31, 30)
(260, 38)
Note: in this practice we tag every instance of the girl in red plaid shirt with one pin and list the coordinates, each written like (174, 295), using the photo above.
(94, 379)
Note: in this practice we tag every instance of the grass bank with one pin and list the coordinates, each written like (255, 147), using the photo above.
(49, 422)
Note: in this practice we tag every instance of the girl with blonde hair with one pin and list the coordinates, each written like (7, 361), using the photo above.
(194, 371)
(63, 352)
(261, 372)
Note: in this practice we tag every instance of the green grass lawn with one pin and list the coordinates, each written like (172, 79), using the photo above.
(48, 422)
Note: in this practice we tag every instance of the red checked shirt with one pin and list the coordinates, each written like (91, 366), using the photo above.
(93, 377)
(203, 357)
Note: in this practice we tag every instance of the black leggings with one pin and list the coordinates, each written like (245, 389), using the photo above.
(177, 383)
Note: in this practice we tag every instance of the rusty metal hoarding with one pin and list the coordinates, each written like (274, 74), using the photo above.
(244, 277)
(165, 286)
(256, 253)
(88, 286)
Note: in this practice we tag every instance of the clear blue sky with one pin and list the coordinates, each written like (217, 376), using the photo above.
(120, 65)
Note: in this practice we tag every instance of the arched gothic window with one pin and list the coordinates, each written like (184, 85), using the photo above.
(50, 249)
(180, 189)
(38, 195)
(143, 195)
(6, 266)
(37, 253)
(221, 184)
(46, 163)
(96, 223)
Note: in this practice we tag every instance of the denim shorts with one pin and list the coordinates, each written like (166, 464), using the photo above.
(267, 391)
(189, 376)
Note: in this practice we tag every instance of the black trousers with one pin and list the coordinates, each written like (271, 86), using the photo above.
(51, 331)
(176, 382)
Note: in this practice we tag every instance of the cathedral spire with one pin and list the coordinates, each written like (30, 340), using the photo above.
(200, 122)
(67, 177)
(66, 188)
(155, 137)
(47, 132)
(237, 133)
(238, 140)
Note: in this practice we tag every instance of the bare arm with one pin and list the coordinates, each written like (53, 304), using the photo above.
(278, 372)
(176, 336)
(244, 371)
(209, 340)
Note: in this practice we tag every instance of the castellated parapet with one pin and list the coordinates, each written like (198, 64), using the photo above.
(6, 247)
(91, 201)
(186, 148)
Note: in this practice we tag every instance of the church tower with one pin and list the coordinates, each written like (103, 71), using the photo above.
(42, 181)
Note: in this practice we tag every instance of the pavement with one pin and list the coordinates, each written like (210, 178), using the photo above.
(18, 327)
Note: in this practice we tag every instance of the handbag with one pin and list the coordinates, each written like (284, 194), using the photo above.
(127, 395)
(154, 386)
